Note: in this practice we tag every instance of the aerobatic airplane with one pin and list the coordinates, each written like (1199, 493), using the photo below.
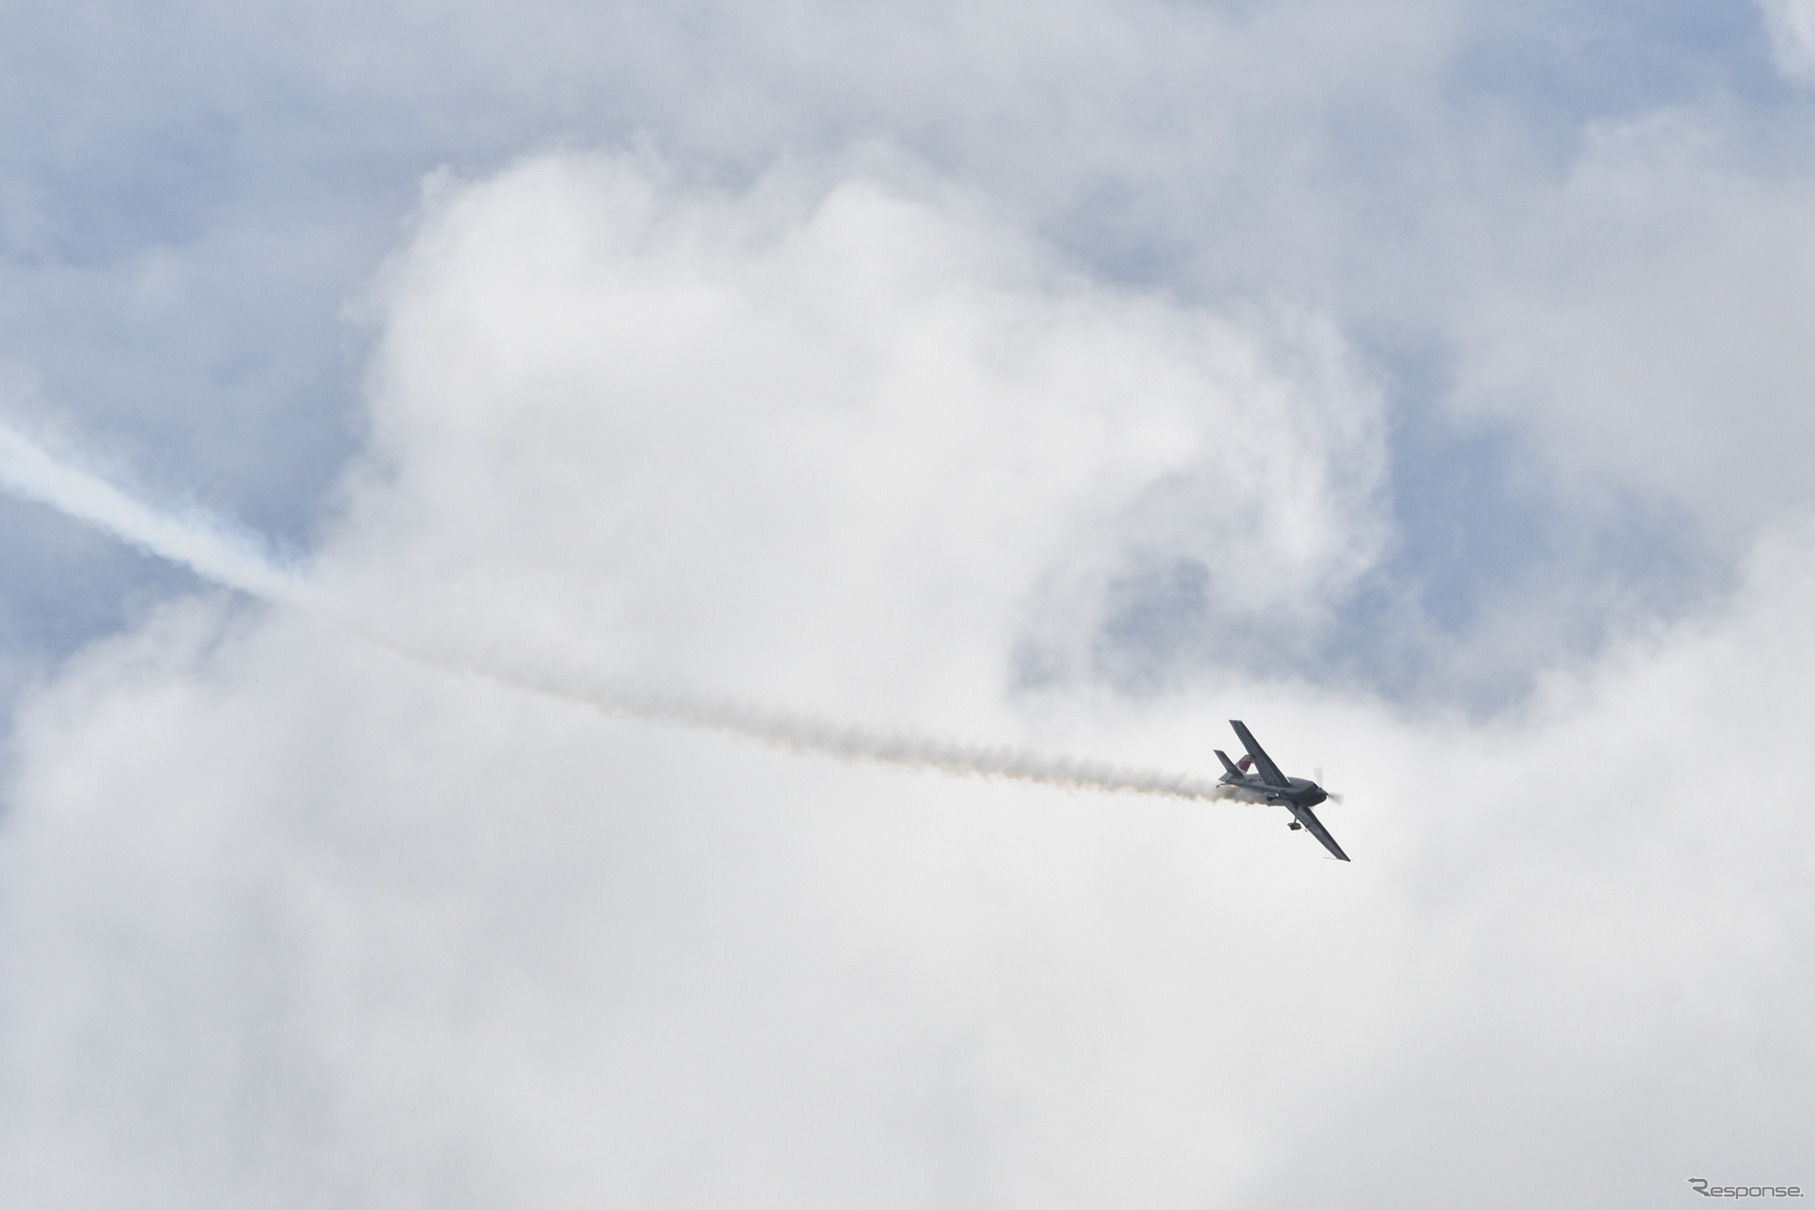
(1268, 785)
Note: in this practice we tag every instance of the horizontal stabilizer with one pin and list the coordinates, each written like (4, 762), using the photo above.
(1234, 773)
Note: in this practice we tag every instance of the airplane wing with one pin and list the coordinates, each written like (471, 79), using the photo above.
(1315, 827)
(1269, 772)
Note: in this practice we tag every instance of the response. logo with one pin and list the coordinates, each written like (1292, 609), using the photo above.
(1706, 1190)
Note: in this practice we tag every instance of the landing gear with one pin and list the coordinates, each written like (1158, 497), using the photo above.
(1295, 825)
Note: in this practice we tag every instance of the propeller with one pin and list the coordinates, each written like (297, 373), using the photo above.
(1317, 776)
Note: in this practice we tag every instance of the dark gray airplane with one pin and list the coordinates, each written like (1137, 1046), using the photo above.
(1268, 785)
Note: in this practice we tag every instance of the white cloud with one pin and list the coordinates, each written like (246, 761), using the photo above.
(290, 919)
(386, 932)
(286, 919)
(190, 192)
(873, 433)
(1647, 322)
(1791, 24)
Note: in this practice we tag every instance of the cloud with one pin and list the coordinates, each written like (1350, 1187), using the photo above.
(834, 446)
(291, 918)
(191, 196)
(1609, 896)
(924, 430)
(1791, 24)
(1059, 382)
(1652, 341)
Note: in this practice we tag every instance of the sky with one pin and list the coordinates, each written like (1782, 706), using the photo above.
(466, 465)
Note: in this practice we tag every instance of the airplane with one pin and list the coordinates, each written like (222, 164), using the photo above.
(1268, 785)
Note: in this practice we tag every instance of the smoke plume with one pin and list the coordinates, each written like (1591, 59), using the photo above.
(214, 549)
(228, 555)
(805, 733)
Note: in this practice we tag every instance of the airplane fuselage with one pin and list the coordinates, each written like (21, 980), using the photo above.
(1300, 790)
(1266, 784)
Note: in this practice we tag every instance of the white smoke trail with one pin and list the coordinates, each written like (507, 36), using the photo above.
(207, 545)
(794, 731)
(230, 556)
